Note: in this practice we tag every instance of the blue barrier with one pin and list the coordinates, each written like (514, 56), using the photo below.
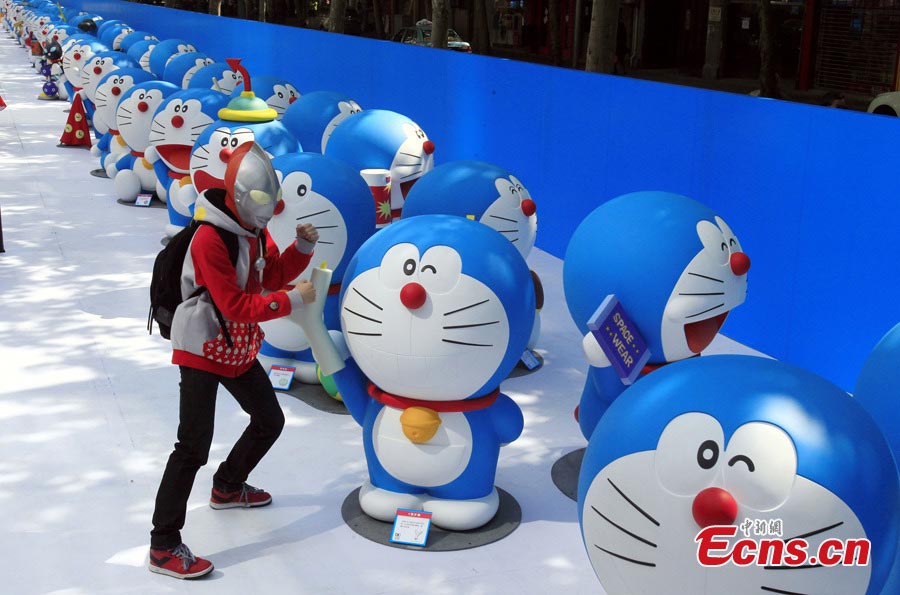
(810, 191)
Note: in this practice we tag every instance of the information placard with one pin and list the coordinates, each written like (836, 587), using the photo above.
(143, 200)
(281, 376)
(411, 527)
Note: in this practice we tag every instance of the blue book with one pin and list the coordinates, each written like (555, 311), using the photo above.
(619, 338)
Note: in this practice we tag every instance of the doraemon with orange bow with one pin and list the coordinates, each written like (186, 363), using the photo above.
(675, 267)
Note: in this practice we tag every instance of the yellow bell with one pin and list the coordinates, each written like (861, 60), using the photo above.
(419, 424)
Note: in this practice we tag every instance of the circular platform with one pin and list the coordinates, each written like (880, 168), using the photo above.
(508, 517)
(99, 173)
(564, 473)
(316, 397)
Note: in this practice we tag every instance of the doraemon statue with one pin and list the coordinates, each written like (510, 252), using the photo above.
(277, 92)
(333, 197)
(181, 68)
(134, 37)
(177, 124)
(165, 51)
(78, 52)
(482, 192)
(134, 116)
(95, 68)
(676, 268)
(381, 139)
(113, 35)
(111, 88)
(140, 53)
(435, 312)
(247, 118)
(217, 76)
(313, 117)
(719, 451)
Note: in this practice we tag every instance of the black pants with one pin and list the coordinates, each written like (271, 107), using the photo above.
(253, 391)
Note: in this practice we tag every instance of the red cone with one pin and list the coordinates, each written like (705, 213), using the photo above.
(2, 104)
(77, 133)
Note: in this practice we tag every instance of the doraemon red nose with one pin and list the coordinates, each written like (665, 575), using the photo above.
(413, 296)
(177, 121)
(142, 106)
(714, 506)
(740, 263)
(225, 155)
(98, 70)
(528, 207)
(76, 56)
(116, 91)
(428, 147)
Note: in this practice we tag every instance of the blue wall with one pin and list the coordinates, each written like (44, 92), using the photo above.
(811, 192)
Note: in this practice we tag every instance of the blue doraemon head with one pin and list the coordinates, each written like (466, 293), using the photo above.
(140, 53)
(134, 37)
(98, 66)
(330, 195)
(723, 440)
(480, 191)
(381, 139)
(277, 92)
(77, 54)
(313, 117)
(134, 114)
(106, 25)
(675, 266)
(179, 122)
(182, 68)
(114, 34)
(437, 308)
(110, 90)
(217, 76)
(165, 51)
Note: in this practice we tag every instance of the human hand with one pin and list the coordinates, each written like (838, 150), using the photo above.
(307, 292)
(308, 232)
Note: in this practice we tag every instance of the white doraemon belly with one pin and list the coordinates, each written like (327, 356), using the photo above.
(436, 462)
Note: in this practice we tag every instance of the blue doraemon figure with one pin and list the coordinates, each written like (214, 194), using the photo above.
(165, 51)
(182, 68)
(387, 141)
(435, 312)
(177, 124)
(876, 390)
(217, 76)
(278, 93)
(134, 37)
(113, 35)
(246, 118)
(485, 193)
(746, 445)
(140, 53)
(313, 117)
(112, 87)
(676, 268)
(333, 197)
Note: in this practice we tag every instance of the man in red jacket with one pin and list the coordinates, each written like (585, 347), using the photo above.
(209, 352)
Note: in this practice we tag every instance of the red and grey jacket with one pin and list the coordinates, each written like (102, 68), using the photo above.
(198, 339)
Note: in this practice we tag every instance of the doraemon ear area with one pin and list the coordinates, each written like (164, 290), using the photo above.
(247, 107)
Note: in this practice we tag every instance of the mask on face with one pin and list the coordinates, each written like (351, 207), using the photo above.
(251, 186)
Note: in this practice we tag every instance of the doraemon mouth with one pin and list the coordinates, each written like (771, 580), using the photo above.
(178, 156)
(407, 185)
(701, 333)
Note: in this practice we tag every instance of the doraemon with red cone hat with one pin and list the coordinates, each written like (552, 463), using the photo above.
(246, 118)
(675, 267)
(229, 262)
(387, 141)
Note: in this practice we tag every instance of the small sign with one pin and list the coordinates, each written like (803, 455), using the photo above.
(619, 338)
(411, 527)
(530, 360)
(281, 376)
(745, 23)
(715, 14)
(143, 200)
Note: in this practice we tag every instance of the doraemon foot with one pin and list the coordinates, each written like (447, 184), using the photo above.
(383, 504)
(462, 515)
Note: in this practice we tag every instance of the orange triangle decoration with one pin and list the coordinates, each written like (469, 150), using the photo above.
(77, 133)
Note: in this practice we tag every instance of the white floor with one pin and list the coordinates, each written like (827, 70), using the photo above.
(89, 409)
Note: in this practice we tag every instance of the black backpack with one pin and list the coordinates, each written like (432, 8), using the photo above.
(165, 285)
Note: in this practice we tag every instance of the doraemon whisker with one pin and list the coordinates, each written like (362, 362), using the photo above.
(508, 230)
(705, 311)
(467, 307)
(200, 166)
(324, 242)
(364, 334)
(411, 155)
(623, 529)
(312, 215)
(816, 532)
(621, 557)
(367, 299)
(705, 277)
(199, 126)
(514, 240)
(326, 226)
(503, 218)
(711, 293)
(782, 591)
(630, 501)
(471, 325)
(361, 315)
(122, 109)
(467, 344)
(410, 176)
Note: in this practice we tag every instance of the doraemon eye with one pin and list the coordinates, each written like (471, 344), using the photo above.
(734, 245)
(224, 142)
(399, 266)
(301, 190)
(440, 269)
(233, 142)
(280, 95)
(689, 453)
(713, 241)
(420, 133)
(762, 466)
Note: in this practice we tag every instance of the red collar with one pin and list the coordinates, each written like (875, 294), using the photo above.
(653, 367)
(175, 175)
(113, 131)
(334, 289)
(440, 406)
(137, 153)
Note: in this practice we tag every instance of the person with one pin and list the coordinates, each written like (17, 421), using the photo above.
(215, 339)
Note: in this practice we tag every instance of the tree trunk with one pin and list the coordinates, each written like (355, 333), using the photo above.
(262, 11)
(553, 25)
(768, 80)
(215, 7)
(376, 16)
(481, 40)
(439, 24)
(486, 23)
(601, 48)
(336, 16)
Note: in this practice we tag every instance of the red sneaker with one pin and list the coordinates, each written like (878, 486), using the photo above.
(246, 497)
(178, 562)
